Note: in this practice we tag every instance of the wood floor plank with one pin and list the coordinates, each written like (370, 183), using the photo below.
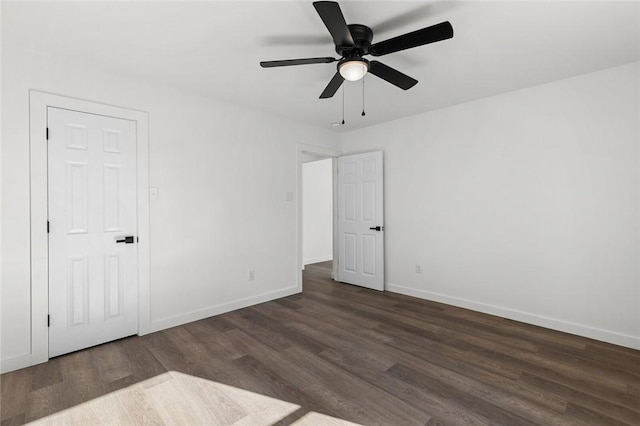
(166, 399)
(617, 374)
(468, 399)
(601, 389)
(626, 358)
(13, 421)
(14, 389)
(276, 386)
(307, 380)
(260, 332)
(591, 417)
(577, 396)
(46, 374)
(81, 380)
(351, 344)
(377, 404)
(282, 329)
(369, 356)
(45, 401)
(433, 326)
(441, 409)
(333, 354)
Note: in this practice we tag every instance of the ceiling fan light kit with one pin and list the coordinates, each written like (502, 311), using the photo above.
(353, 69)
(354, 41)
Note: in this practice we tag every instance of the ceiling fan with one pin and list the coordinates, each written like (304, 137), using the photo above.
(354, 41)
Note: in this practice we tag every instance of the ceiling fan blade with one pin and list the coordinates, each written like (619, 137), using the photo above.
(438, 32)
(333, 18)
(287, 62)
(332, 87)
(391, 75)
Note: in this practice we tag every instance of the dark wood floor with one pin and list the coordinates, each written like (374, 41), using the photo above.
(363, 356)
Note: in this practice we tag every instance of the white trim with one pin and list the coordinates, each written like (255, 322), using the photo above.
(320, 152)
(638, 230)
(336, 234)
(317, 260)
(19, 361)
(38, 103)
(199, 314)
(552, 323)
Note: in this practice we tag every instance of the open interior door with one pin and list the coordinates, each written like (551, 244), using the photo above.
(361, 220)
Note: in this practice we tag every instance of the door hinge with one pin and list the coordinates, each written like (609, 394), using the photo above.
(47, 133)
(137, 239)
(47, 227)
(48, 320)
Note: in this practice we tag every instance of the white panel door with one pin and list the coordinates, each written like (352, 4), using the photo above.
(361, 220)
(93, 273)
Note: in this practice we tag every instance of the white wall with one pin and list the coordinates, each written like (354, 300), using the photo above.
(524, 205)
(223, 173)
(317, 211)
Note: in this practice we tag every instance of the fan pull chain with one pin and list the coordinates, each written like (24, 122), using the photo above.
(343, 104)
(363, 114)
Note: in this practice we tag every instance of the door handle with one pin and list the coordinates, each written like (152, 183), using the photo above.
(126, 240)
(377, 228)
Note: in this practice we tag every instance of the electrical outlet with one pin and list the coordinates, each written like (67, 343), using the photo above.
(252, 275)
(418, 269)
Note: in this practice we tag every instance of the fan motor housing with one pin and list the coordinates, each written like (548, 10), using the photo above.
(362, 37)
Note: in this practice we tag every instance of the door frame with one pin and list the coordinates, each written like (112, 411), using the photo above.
(321, 153)
(38, 104)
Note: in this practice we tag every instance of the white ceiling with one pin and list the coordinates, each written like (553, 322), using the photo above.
(214, 47)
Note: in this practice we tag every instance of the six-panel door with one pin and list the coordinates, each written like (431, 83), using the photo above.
(361, 220)
(93, 286)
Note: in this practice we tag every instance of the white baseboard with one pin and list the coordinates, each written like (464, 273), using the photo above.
(27, 360)
(628, 341)
(317, 260)
(164, 323)
(20, 361)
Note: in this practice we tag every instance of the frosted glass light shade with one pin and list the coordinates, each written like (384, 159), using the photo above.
(353, 70)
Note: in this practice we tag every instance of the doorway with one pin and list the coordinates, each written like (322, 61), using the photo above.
(39, 102)
(324, 158)
(358, 249)
(317, 213)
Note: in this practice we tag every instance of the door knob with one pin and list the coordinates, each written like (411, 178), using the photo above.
(126, 240)
(377, 228)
